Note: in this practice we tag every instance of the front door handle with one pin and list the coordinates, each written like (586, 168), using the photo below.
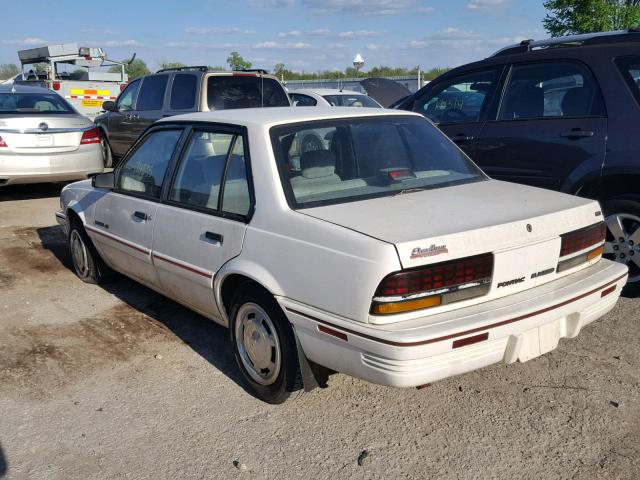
(461, 137)
(577, 133)
(141, 215)
(216, 237)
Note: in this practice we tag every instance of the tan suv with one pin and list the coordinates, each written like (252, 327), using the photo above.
(174, 91)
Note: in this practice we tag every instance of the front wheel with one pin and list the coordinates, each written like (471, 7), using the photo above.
(107, 155)
(264, 345)
(86, 261)
(622, 216)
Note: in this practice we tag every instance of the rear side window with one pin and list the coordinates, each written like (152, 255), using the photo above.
(36, 103)
(300, 100)
(351, 101)
(630, 69)
(183, 91)
(231, 91)
(151, 94)
(144, 170)
(553, 90)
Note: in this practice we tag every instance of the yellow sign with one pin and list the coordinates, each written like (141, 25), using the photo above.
(81, 91)
(91, 103)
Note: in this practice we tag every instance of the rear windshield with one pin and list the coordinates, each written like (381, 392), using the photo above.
(224, 92)
(38, 103)
(351, 101)
(336, 161)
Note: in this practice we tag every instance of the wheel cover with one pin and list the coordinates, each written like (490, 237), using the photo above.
(79, 254)
(257, 344)
(623, 242)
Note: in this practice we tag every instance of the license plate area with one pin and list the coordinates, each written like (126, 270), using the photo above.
(44, 140)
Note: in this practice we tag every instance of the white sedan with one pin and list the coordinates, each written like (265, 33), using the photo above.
(388, 255)
(327, 97)
(44, 139)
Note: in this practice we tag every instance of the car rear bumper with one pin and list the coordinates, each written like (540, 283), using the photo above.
(416, 352)
(80, 164)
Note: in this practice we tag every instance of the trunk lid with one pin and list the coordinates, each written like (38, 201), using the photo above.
(520, 225)
(27, 134)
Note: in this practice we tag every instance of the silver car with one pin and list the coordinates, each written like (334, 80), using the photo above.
(44, 139)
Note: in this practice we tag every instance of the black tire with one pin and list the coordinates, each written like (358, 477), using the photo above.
(276, 378)
(624, 211)
(87, 263)
(107, 154)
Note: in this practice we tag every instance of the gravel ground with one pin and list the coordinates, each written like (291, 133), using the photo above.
(119, 382)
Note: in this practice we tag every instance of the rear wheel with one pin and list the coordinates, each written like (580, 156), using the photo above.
(86, 261)
(264, 345)
(622, 216)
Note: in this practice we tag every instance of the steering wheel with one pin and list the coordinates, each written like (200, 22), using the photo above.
(311, 143)
(452, 115)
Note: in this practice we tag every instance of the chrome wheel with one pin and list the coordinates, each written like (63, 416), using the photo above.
(623, 242)
(257, 343)
(79, 254)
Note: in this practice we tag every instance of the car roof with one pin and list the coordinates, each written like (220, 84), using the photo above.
(326, 91)
(261, 117)
(21, 88)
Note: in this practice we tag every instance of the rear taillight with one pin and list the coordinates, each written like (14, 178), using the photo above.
(123, 86)
(590, 239)
(90, 136)
(2, 143)
(433, 285)
(56, 86)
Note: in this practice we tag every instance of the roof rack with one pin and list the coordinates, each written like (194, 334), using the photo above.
(618, 36)
(253, 70)
(200, 68)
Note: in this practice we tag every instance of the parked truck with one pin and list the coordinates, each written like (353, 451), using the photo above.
(84, 76)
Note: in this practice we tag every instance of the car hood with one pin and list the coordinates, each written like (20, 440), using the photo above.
(463, 220)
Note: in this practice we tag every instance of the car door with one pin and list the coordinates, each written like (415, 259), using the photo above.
(551, 125)
(121, 121)
(202, 221)
(458, 105)
(183, 93)
(150, 102)
(124, 218)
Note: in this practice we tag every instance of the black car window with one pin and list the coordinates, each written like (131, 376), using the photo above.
(151, 94)
(183, 91)
(554, 89)
(201, 172)
(300, 100)
(240, 91)
(127, 98)
(630, 69)
(144, 170)
(458, 100)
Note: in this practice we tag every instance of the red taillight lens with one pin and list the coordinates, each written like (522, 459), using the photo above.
(56, 86)
(2, 143)
(123, 86)
(442, 275)
(581, 239)
(90, 136)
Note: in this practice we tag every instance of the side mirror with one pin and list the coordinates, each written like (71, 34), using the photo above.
(109, 106)
(104, 180)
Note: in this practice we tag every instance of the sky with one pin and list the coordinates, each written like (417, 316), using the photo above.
(305, 35)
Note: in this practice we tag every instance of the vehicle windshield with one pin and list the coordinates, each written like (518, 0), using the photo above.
(38, 103)
(345, 100)
(341, 160)
(234, 91)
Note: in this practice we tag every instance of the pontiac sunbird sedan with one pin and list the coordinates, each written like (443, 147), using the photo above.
(378, 250)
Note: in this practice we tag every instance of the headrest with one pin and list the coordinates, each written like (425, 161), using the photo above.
(318, 163)
(575, 102)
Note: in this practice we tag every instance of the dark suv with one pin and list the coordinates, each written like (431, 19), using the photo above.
(175, 91)
(562, 114)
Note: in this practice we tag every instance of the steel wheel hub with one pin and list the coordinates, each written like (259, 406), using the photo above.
(79, 254)
(623, 242)
(257, 343)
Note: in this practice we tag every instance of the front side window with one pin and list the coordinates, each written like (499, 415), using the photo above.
(144, 171)
(335, 161)
(37, 103)
(300, 100)
(459, 100)
(127, 98)
(231, 91)
(183, 91)
(151, 94)
(351, 101)
(553, 90)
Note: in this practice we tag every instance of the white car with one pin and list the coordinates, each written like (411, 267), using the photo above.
(388, 256)
(327, 97)
(44, 139)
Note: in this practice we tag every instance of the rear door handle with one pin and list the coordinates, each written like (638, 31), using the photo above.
(577, 133)
(141, 215)
(461, 137)
(216, 237)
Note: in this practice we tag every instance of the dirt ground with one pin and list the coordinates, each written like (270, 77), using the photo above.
(118, 382)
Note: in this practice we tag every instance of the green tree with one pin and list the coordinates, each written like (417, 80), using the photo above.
(164, 63)
(8, 70)
(568, 17)
(134, 69)
(236, 62)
